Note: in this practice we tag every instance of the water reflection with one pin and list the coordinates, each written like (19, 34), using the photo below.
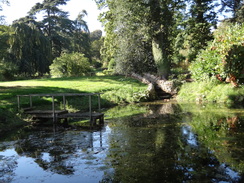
(142, 143)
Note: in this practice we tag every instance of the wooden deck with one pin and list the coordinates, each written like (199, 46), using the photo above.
(45, 113)
(63, 114)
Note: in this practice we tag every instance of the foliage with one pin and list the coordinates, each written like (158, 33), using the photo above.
(80, 36)
(7, 66)
(55, 24)
(96, 35)
(131, 27)
(240, 15)
(223, 56)
(30, 48)
(195, 29)
(32, 45)
(96, 46)
(211, 91)
(67, 65)
(7, 70)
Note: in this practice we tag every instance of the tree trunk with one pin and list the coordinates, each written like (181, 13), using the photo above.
(160, 57)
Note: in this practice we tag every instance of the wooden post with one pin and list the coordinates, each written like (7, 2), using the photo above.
(53, 108)
(18, 99)
(64, 102)
(99, 103)
(30, 101)
(90, 110)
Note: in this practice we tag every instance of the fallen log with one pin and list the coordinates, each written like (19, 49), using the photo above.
(168, 86)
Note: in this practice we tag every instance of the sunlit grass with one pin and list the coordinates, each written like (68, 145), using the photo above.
(103, 84)
(208, 91)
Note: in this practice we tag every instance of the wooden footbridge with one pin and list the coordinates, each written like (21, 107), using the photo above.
(56, 115)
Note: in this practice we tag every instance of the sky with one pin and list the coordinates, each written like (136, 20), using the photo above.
(19, 8)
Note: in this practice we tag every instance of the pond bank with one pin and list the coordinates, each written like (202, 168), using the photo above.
(212, 92)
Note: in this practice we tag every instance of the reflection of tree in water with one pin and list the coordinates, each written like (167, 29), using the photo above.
(7, 167)
(157, 147)
(223, 135)
(53, 152)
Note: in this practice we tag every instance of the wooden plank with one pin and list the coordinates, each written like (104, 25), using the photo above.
(59, 94)
(46, 112)
(80, 115)
(27, 109)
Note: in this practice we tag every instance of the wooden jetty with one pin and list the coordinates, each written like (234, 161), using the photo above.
(63, 113)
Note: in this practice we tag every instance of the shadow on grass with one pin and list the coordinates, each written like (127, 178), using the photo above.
(10, 117)
(107, 79)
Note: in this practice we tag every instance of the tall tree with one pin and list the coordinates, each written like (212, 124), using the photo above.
(196, 28)
(80, 36)
(31, 49)
(55, 24)
(7, 66)
(138, 28)
(96, 40)
(161, 23)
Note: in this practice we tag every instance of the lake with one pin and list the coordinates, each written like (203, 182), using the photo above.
(149, 142)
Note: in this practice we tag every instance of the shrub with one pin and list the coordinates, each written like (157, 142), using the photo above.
(74, 64)
(224, 55)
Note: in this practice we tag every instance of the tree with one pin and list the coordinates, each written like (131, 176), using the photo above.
(161, 23)
(80, 37)
(55, 24)
(7, 66)
(136, 27)
(196, 29)
(31, 49)
(95, 35)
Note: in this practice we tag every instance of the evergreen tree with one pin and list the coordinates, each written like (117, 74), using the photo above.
(55, 24)
(196, 29)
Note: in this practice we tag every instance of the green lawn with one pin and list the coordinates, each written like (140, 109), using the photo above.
(115, 89)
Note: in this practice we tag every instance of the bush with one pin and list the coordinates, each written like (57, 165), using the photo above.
(224, 55)
(74, 64)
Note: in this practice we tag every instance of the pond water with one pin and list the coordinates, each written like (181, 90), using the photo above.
(157, 142)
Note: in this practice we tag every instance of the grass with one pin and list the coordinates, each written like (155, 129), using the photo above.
(103, 84)
(115, 89)
(211, 91)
